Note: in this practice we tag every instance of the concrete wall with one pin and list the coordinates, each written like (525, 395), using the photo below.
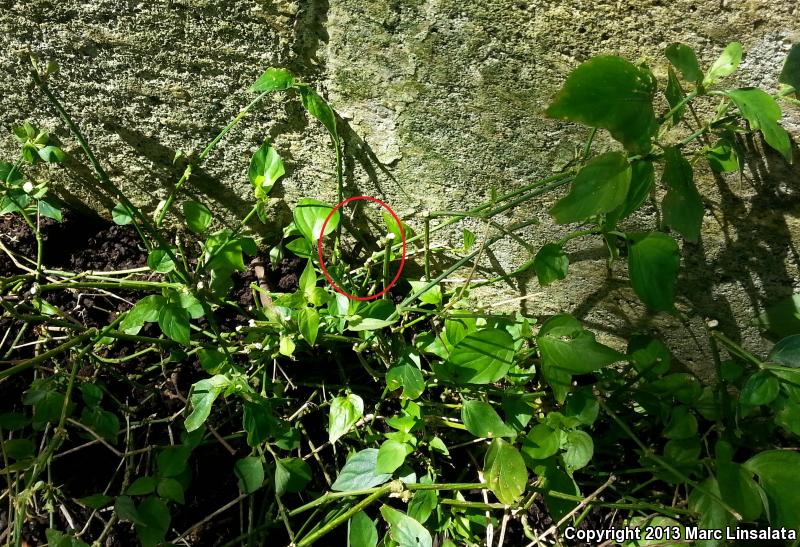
(441, 100)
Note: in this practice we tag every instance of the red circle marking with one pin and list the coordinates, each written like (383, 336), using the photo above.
(322, 260)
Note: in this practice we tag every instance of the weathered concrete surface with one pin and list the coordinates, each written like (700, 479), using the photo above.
(441, 101)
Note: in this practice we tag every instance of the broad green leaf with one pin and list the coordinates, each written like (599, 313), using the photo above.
(550, 263)
(786, 352)
(202, 397)
(578, 449)
(301, 247)
(49, 210)
(59, 539)
(362, 532)
(121, 214)
(173, 460)
(95, 501)
(291, 475)
(682, 424)
(738, 489)
(431, 296)
(359, 472)
(542, 442)
(482, 357)
(653, 523)
(682, 205)
(308, 279)
(790, 74)
(422, 505)
(778, 476)
(723, 157)
(684, 59)
(174, 322)
(725, 65)
(308, 322)
(52, 154)
(566, 348)
(19, 449)
(144, 311)
(407, 374)
(505, 471)
(344, 413)
(198, 216)
(600, 187)
(782, 318)
(642, 176)
(611, 93)
(171, 489)
(273, 79)
(373, 316)
(125, 509)
(155, 519)
(760, 389)
(674, 94)
(188, 302)
(9, 174)
(310, 215)
(317, 107)
(583, 406)
(704, 502)
(763, 113)
(391, 455)
(266, 167)
(250, 472)
(653, 263)
(406, 531)
(481, 420)
(258, 422)
(160, 261)
(556, 480)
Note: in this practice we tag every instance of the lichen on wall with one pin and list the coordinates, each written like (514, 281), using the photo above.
(440, 102)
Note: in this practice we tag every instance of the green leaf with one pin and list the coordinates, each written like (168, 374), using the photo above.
(725, 65)
(308, 279)
(505, 471)
(121, 214)
(171, 489)
(273, 79)
(542, 442)
(482, 357)
(790, 74)
(712, 514)
(481, 420)
(407, 374)
(198, 216)
(362, 532)
(422, 505)
(203, 395)
(317, 107)
(160, 261)
(583, 406)
(95, 501)
(778, 477)
(174, 322)
(682, 424)
(155, 519)
(578, 452)
(566, 348)
(723, 157)
(391, 455)
(786, 352)
(642, 176)
(19, 449)
(291, 475)
(250, 472)
(760, 389)
(173, 460)
(611, 93)
(653, 263)
(9, 174)
(738, 489)
(308, 322)
(763, 113)
(310, 215)
(782, 318)
(59, 539)
(550, 264)
(682, 206)
(684, 59)
(47, 209)
(125, 509)
(52, 154)
(600, 187)
(431, 296)
(360, 472)
(344, 413)
(258, 422)
(674, 94)
(266, 167)
(144, 311)
(406, 531)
